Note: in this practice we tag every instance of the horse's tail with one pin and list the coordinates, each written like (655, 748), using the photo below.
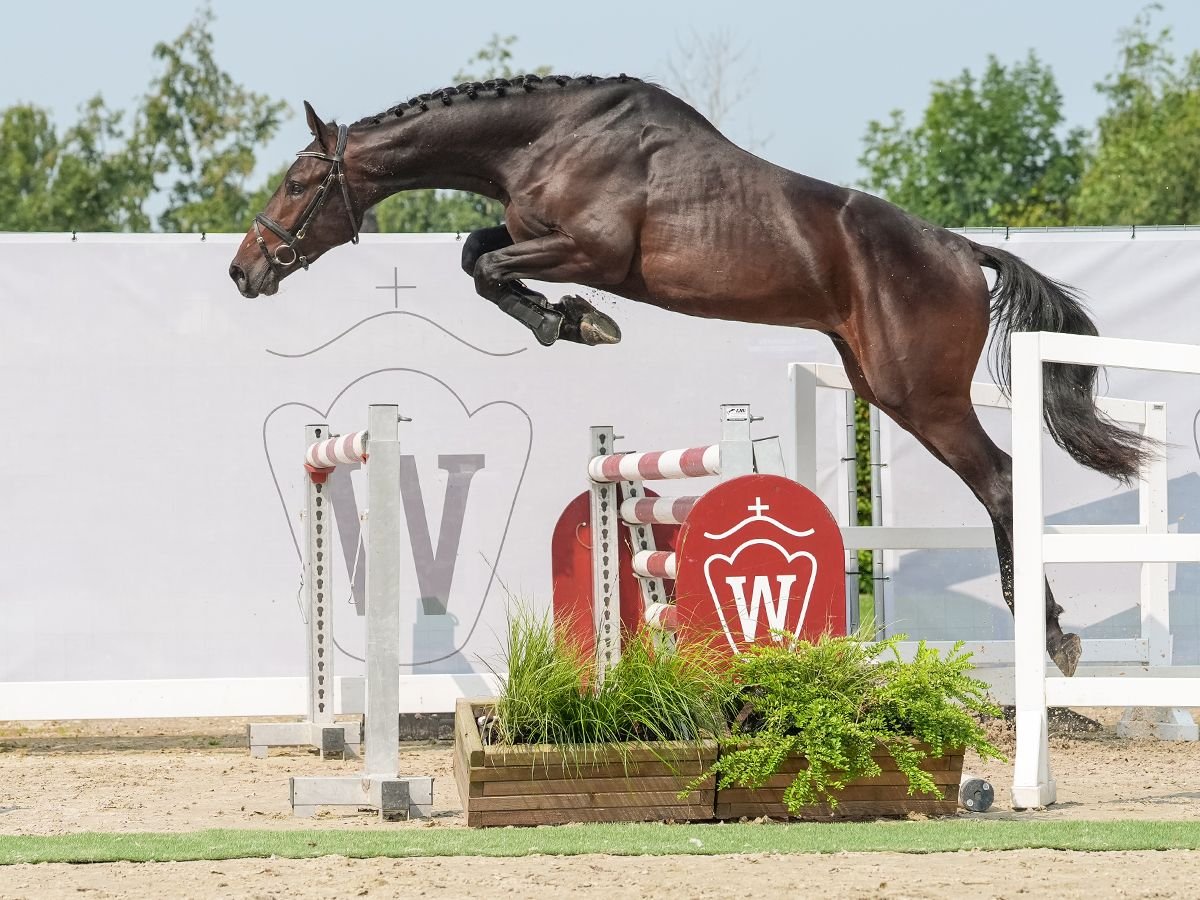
(1024, 299)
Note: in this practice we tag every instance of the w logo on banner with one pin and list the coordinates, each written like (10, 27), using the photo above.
(761, 597)
(759, 555)
(770, 606)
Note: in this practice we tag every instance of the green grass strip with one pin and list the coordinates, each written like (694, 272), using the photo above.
(624, 840)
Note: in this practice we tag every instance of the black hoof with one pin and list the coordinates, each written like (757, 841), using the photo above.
(584, 324)
(1066, 652)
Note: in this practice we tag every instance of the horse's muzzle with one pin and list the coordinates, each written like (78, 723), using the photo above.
(250, 286)
(239, 278)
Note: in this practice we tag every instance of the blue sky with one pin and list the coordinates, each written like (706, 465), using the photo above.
(821, 70)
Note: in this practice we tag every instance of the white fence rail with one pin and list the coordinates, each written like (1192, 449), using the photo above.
(1151, 648)
(1147, 542)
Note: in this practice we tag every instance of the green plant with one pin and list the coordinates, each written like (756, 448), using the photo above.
(835, 701)
(550, 695)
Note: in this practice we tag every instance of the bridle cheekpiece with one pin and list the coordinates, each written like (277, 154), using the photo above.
(337, 173)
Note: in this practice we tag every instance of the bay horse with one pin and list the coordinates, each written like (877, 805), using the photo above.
(617, 184)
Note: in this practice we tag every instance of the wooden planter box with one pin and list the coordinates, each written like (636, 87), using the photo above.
(543, 785)
(865, 798)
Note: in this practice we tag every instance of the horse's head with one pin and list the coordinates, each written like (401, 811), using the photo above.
(312, 211)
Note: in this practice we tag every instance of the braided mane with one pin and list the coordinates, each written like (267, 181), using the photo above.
(496, 87)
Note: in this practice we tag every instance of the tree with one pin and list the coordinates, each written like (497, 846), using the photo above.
(194, 125)
(28, 150)
(1146, 168)
(492, 61)
(708, 71)
(437, 210)
(69, 182)
(428, 210)
(988, 151)
(702, 73)
(199, 127)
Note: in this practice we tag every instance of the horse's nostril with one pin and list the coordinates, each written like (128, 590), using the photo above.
(236, 273)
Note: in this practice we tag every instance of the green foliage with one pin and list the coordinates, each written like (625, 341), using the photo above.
(834, 702)
(199, 127)
(493, 60)
(650, 695)
(1146, 168)
(82, 180)
(194, 126)
(988, 151)
(434, 211)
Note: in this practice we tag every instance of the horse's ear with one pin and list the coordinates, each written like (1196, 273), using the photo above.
(318, 128)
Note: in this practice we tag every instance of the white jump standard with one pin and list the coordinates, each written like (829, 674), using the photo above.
(318, 730)
(618, 500)
(378, 786)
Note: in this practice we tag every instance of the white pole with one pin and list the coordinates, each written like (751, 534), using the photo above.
(318, 583)
(383, 590)
(1033, 785)
(804, 424)
(606, 548)
(1152, 515)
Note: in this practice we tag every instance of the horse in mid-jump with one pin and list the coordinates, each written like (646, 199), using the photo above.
(619, 185)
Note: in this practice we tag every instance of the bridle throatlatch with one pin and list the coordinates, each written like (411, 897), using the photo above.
(336, 173)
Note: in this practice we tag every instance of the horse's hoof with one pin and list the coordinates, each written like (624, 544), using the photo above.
(599, 329)
(1066, 654)
(584, 324)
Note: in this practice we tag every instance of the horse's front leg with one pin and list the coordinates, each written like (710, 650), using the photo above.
(498, 265)
(527, 307)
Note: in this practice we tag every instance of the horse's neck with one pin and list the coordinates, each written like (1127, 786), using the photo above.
(472, 147)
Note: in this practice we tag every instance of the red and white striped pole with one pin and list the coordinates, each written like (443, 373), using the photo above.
(691, 462)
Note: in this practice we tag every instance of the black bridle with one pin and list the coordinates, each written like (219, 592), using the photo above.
(336, 173)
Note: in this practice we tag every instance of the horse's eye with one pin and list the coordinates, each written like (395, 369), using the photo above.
(295, 188)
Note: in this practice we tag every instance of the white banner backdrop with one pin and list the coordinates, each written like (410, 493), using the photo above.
(150, 542)
(150, 529)
(1143, 284)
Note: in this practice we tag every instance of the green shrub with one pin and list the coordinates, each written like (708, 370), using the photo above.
(836, 701)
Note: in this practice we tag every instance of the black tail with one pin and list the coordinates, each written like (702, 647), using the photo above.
(1026, 300)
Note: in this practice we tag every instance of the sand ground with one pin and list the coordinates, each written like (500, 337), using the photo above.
(183, 775)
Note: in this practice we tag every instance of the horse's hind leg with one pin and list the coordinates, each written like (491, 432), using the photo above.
(936, 409)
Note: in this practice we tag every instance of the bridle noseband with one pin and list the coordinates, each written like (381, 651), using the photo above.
(336, 173)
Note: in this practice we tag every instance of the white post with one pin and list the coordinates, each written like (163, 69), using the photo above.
(606, 549)
(850, 473)
(318, 584)
(804, 424)
(1033, 785)
(654, 592)
(318, 730)
(1152, 515)
(878, 584)
(737, 450)
(379, 785)
(384, 510)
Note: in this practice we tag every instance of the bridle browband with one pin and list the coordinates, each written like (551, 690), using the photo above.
(336, 173)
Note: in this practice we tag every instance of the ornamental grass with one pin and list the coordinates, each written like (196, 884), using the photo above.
(654, 693)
